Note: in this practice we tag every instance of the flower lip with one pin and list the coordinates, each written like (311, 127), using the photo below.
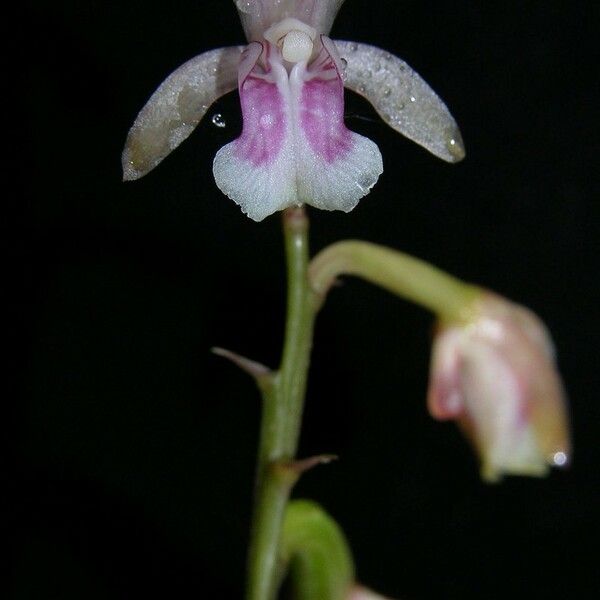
(294, 147)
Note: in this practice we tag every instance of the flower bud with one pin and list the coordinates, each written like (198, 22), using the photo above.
(495, 374)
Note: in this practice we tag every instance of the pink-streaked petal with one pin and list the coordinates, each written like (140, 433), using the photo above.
(341, 184)
(336, 167)
(258, 190)
(444, 396)
(264, 114)
(257, 169)
(321, 110)
(258, 15)
(176, 107)
(402, 99)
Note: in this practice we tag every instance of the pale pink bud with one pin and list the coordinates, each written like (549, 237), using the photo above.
(495, 373)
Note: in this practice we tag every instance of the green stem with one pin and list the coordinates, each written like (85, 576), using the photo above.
(284, 390)
(399, 273)
(283, 402)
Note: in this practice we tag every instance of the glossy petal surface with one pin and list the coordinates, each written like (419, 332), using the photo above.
(176, 107)
(402, 99)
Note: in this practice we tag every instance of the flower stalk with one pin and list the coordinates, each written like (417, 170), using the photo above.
(283, 403)
(458, 308)
(401, 274)
(283, 390)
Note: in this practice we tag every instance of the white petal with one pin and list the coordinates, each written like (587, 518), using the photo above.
(257, 171)
(176, 107)
(402, 99)
(259, 190)
(445, 398)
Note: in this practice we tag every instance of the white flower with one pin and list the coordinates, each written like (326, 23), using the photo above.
(294, 147)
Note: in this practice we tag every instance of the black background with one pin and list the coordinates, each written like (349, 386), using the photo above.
(134, 446)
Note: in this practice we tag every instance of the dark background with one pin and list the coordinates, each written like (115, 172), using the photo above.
(133, 447)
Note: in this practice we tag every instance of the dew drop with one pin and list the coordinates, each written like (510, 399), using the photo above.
(362, 89)
(559, 459)
(354, 47)
(454, 145)
(248, 7)
(387, 91)
(218, 120)
(344, 69)
(413, 99)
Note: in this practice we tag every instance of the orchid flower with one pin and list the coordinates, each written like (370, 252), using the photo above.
(294, 147)
(496, 375)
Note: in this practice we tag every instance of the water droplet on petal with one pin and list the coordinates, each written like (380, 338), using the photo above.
(413, 99)
(218, 120)
(354, 47)
(387, 91)
(362, 89)
(344, 69)
(559, 459)
(454, 144)
(247, 6)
